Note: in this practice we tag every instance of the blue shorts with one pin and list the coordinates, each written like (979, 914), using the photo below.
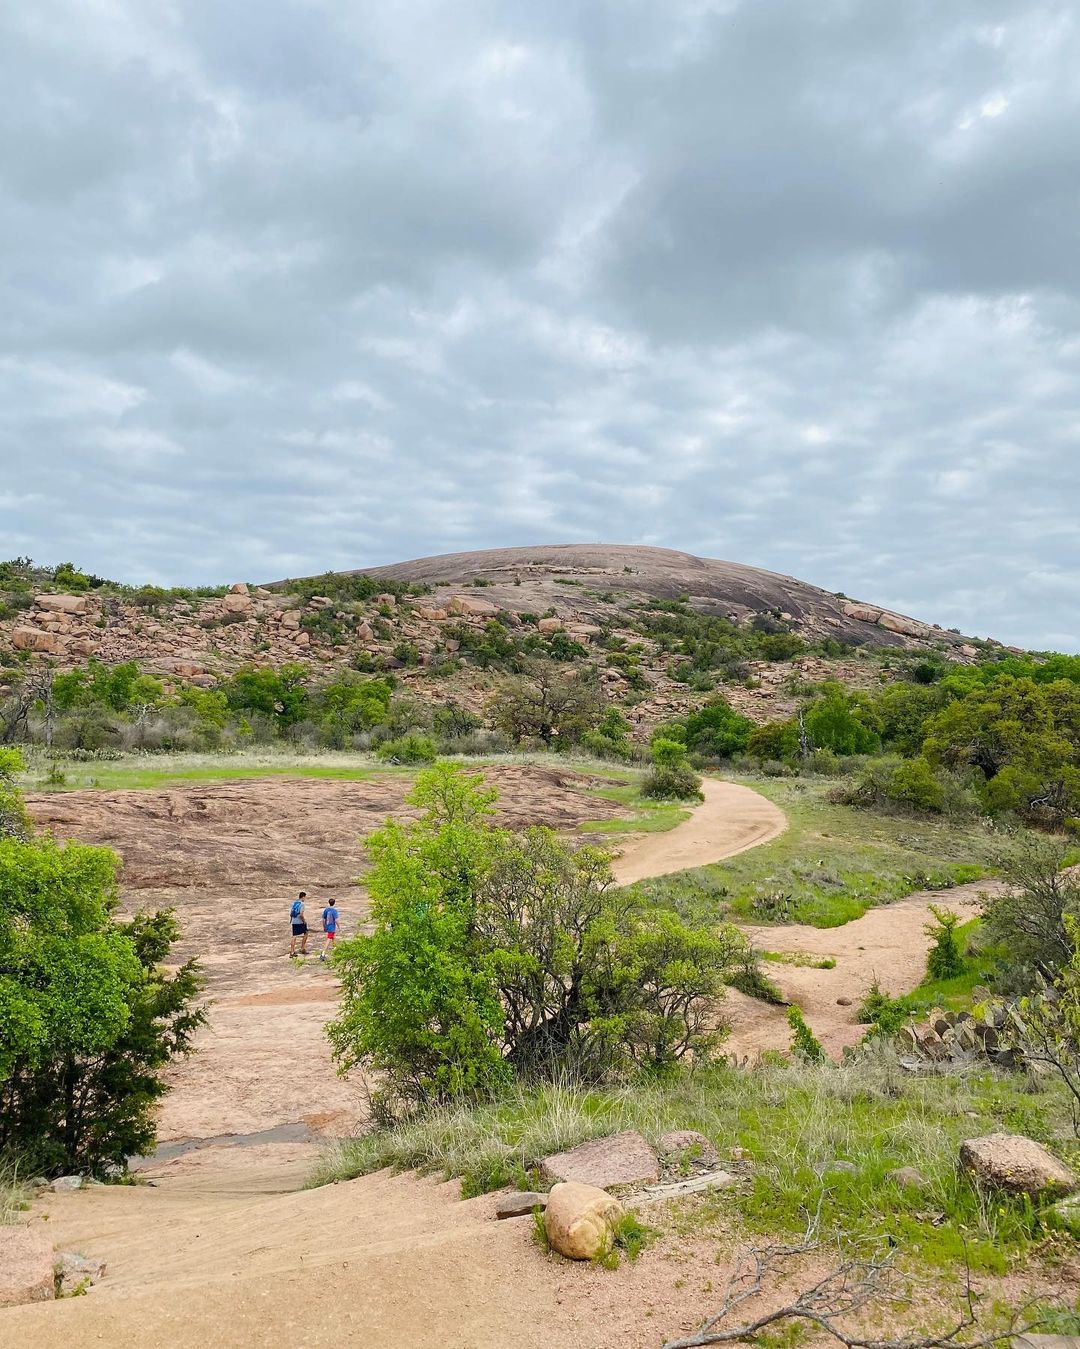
(298, 929)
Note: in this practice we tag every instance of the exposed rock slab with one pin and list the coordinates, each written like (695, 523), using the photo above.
(621, 1159)
(26, 1267)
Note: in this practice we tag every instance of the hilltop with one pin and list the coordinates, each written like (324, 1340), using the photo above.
(661, 627)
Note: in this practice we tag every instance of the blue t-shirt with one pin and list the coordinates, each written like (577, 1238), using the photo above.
(330, 917)
(297, 910)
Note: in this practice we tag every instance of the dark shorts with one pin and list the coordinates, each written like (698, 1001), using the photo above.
(298, 929)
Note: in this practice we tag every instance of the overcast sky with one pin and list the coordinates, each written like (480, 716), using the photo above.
(314, 283)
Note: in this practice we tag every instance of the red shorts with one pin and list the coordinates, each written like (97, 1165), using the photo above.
(330, 935)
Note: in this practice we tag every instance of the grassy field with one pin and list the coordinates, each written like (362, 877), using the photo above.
(832, 863)
(793, 1123)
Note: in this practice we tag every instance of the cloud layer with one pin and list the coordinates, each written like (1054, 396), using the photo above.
(314, 284)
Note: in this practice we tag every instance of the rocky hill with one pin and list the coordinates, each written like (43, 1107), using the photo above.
(426, 623)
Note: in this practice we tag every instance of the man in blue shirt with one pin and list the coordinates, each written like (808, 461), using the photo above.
(329, 927)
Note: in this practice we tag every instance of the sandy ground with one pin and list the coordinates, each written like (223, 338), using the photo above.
(888, 944)
(731, 820)
(226, 1250)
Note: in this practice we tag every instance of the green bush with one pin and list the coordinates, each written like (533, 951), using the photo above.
(497, 953)
(672, 782)
(804, 1044)
(946, 957)
(88, 1013)
(409, 749)
(717, 731)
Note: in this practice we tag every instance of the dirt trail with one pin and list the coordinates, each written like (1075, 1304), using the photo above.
(730, 820)
(227, 1251)
(887, 944)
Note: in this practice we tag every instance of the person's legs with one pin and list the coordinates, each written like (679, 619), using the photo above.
(292, 944)
(303, 941)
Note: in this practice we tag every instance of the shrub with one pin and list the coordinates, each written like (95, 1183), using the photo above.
(804, 1044)
(672, 782)
(88, 1013)
(1027, 922)
(496, 953)
(717, 731)
(549, 704)
(842, 721)
(946, 958)
(409, 749)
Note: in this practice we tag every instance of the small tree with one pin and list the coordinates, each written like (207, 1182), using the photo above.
(1045, 1026)
(88, 1016)
(946, 957)
(548, 703)
(671, 778)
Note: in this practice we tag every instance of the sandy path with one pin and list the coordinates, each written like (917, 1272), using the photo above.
(730, 820)
(886, 943)
(228, 1252)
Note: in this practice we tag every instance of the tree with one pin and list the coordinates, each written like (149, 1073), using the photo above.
(14, 821)
(776, 740)
(842, 721)
(278, 694)
(88, 1016)
(717, 731)
(946, 957)
(548, 703)
(496, 954)
(1027, 921)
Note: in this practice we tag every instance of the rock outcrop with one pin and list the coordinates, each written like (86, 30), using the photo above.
(26, 1267)
(621, 1159)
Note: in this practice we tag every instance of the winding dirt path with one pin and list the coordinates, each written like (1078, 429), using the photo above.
(730, 820)
(228, 1251)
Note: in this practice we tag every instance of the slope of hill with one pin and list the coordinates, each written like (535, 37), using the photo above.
(646, 618)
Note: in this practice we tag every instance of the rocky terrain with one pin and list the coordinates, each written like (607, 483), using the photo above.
(592, 593)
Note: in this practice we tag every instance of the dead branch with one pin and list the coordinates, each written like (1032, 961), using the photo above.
(851, 1286)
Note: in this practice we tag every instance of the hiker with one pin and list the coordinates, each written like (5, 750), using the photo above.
(329, 927)
(299, 924)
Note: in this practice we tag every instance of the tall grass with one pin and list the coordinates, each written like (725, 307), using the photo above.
(793, 1121)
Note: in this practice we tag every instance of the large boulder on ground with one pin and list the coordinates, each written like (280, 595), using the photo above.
(687, 1145)
(580, 1220)
(35, 639)
(26, 1267)
(622, 1159)
(1015, 1163)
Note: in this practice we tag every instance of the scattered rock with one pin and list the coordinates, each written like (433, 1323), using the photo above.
(238, 588)
(908, 1178)
(1015, 1163)
(34, 639)
(62, 1183)
(843, 1002)
(689, 1145)
(237, 603)
(549, 625)
(520, 1205)
(26, 1267)
(622, 1159)
(848, 1168)
(580, 1220)
(74, 1272)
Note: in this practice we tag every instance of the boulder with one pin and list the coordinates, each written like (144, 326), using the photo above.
(239, 588)
(63, 1183)
(907, 627)
(290, 618)
(908, 1178)
(688, 1143)
(63, 604)
(237, 603)
(549, 625)
(26, 1267)
(866, 613)
(1015, 1163)
(580, 1220)
(467, 607)
(34, 639)
(74, 1273)
(432, 615)
(622, 1159)
(521, 1204)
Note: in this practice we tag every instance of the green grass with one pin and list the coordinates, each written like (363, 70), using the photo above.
(800, 959)
(832, 863)
(650, 817)
(794, 1122)
(14, 1197)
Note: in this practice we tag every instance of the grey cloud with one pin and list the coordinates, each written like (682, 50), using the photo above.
(314, 285)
